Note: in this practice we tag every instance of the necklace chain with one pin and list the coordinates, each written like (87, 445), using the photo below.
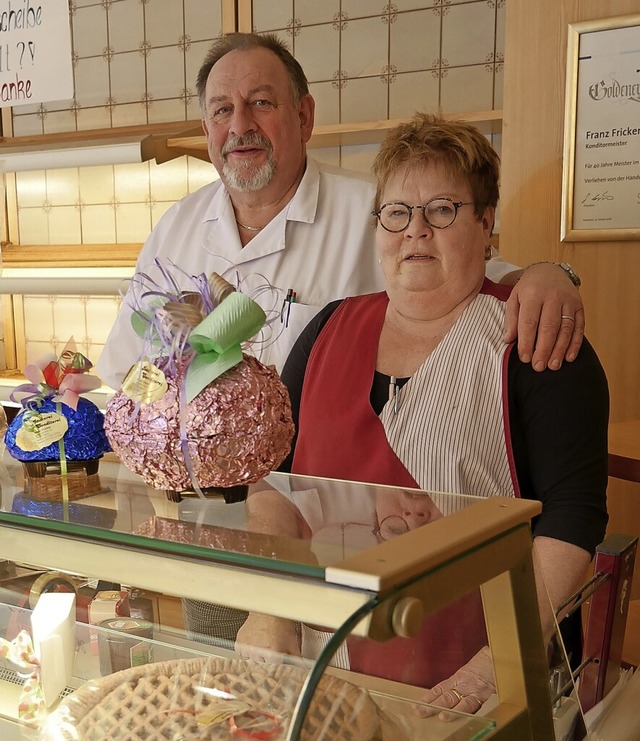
(249, 228)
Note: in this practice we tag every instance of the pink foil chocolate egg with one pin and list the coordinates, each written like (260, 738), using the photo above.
(238, 429)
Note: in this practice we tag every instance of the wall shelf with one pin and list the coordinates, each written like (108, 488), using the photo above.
(164, 142)
(193, 142)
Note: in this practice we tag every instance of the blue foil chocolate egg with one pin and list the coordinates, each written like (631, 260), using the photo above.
(84, 440)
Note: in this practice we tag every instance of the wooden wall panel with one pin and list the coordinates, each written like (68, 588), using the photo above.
(535, 61)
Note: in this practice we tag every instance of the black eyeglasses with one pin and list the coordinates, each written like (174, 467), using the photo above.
(439, 213)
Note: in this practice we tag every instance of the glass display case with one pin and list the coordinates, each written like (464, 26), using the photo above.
(352, 600)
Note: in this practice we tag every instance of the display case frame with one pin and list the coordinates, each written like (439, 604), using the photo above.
(486, 544)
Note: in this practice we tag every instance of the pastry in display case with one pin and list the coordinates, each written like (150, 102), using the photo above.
(358, 583)
(218, 698)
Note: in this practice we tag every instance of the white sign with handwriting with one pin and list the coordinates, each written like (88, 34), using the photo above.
(35, 52)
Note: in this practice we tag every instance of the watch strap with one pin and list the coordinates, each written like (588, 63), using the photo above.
(571, 273)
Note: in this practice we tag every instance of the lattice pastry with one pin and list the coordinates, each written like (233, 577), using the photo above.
(169, 700)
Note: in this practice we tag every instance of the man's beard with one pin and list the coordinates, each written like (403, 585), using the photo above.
(243, 175)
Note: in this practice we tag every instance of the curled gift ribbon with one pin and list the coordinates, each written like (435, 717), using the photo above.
(205, 326)
(61, 379)
(20, 652)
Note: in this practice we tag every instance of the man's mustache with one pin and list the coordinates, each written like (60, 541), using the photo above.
(249, 140)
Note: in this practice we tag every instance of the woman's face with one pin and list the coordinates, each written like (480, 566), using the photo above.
(445, 265)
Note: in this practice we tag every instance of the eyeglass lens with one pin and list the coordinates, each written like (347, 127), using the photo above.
(392, 526)
(439, 213)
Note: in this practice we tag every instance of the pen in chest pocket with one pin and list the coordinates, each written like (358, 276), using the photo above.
(289, 299)
(393, 393)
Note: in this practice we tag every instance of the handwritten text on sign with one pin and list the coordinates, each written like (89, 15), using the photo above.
(35, 52)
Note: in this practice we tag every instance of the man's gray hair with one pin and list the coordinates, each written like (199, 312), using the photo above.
(244, 41)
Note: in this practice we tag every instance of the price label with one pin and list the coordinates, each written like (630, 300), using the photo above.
(40, 430)
(145, 383)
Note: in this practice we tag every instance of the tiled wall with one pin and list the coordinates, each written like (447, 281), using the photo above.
(372, 59)
(135, 61)
(102, 205)
(50, 321)
(99, 205)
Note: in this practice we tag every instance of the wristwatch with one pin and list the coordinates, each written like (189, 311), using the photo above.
(571, 273)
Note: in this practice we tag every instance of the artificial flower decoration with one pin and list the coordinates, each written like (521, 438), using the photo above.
(61, 379)
(56, 423)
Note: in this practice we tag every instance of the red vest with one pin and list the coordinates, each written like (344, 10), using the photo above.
(340, 436)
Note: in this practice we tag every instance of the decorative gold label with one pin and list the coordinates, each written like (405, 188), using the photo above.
(38, 431)
(145, 382)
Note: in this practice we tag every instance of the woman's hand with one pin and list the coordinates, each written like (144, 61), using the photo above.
(465, 692)
(267, 639)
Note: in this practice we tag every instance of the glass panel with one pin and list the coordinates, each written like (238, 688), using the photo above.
(568, 716)
(406, 649)
(114, 505)
(97, 653)
(371, 665)
(123, 679)
(394, 671)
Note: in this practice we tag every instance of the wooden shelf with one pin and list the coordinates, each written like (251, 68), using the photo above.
(193, 142)
(93, 255)
(164, 142)
(72, 139)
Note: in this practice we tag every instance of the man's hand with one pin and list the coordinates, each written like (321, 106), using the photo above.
(546, 315)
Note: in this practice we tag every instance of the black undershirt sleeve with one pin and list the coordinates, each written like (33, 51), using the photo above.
(559, 422)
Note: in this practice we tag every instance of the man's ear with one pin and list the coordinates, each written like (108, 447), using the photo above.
(307, 114)
(205, 128)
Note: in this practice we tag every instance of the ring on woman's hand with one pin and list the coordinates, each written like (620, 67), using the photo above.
(455, 693)
(570, 318)
(477, 699)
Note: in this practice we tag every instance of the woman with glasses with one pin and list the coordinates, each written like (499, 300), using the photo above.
(414, 386)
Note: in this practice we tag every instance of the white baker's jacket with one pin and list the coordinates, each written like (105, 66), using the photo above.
(321, 245)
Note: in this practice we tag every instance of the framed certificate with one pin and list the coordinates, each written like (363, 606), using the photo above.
(601, 167)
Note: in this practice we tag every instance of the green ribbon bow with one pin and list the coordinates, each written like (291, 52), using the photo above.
(217, 340)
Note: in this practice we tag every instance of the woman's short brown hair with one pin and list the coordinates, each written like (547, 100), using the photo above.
(458, 145)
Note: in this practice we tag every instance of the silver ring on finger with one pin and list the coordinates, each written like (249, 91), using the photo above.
(570, 318)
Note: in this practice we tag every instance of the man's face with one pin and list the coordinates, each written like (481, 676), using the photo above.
(256, 136)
